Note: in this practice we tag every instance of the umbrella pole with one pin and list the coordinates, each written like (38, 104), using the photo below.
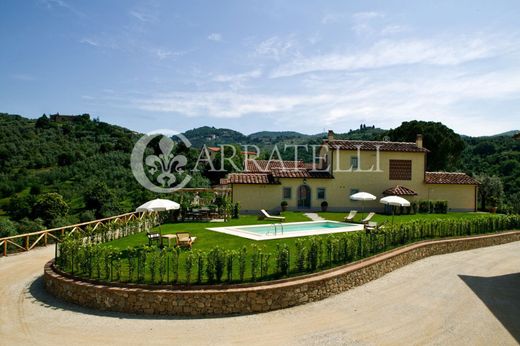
(160, 226)
(160, 229)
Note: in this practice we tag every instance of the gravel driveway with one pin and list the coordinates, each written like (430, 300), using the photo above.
(470, 297)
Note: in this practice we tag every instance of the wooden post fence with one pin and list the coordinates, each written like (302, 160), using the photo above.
(60, 232)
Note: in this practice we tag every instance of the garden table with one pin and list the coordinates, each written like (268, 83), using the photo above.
(169, 237)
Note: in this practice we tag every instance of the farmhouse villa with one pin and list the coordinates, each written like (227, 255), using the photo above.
(344, 168)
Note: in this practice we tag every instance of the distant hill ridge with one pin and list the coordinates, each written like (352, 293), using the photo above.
(73, 154)
(211, 136)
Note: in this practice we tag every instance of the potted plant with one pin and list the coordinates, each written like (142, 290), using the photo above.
(494, 204)
(283, 205)
(324, 205)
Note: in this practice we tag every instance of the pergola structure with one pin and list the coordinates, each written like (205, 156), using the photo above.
(399, 190)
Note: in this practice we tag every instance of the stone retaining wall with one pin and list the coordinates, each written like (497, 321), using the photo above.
(253, 298)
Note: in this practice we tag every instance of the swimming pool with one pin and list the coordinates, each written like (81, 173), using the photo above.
(288, 230)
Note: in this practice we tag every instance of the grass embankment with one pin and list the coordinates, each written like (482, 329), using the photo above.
(206, 239)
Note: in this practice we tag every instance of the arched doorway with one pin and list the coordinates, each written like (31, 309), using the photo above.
(304, 196)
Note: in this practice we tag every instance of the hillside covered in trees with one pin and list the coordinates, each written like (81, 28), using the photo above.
(60, 170)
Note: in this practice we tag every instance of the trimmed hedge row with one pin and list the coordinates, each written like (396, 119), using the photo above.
(422, 207)
(169, 265)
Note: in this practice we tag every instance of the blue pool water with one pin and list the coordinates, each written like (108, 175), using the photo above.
(288, 230)
(293, 227)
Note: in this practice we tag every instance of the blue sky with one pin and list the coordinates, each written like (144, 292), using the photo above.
(264, 65)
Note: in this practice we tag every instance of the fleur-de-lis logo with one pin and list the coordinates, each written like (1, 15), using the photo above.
(161, 168)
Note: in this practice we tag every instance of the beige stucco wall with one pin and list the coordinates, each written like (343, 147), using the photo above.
(459, 197)
(255, 196)
(369, 178)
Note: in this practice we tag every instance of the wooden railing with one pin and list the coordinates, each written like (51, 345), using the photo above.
(57, 233)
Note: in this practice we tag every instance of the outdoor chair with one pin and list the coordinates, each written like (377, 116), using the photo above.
(266, 216)
(184, 239)
(368, 218)
(374, 227)
(350, 216)
(153, 237)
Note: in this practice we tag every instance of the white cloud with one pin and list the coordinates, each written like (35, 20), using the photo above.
(393, 29)
(362, 16)
(90, 42)
(239, 77)
(102, 42)
(52, 4)
(331, 18)
(163, 53)
(363, 29)
(276, 47)
(439, 96)
(364, 22)
(226, 104)
(373, 98)
(314, 38)
(215, 37)
(395, 52)
(143, 16)
(359, 17)
(429, 79)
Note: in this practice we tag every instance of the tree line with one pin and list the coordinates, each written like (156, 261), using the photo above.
(62, 170)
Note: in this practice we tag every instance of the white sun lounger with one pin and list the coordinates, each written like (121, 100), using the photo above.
(266, 216)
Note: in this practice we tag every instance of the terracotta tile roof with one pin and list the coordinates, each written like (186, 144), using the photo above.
(448, 178)
(268, 172)
(215, 149)
(290, 173)
(264, 166)
(248, 178)
(372, 145)
(399, 190)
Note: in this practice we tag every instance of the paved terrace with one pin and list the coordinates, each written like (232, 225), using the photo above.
(470, 297)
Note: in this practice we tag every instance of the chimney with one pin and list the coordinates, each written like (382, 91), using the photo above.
(418, 141)
(330, 135)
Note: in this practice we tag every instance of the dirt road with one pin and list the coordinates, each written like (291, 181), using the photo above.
(470, 297)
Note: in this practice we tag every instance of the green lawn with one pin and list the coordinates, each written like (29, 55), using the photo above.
(206, 240)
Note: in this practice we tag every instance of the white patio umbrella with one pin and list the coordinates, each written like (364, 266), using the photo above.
(394, 201)
(158, 205)
(362, 196)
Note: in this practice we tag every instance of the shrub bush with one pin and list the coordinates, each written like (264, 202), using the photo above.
(282, 259)
(433, 207)
(236, 211)
(152, 265)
